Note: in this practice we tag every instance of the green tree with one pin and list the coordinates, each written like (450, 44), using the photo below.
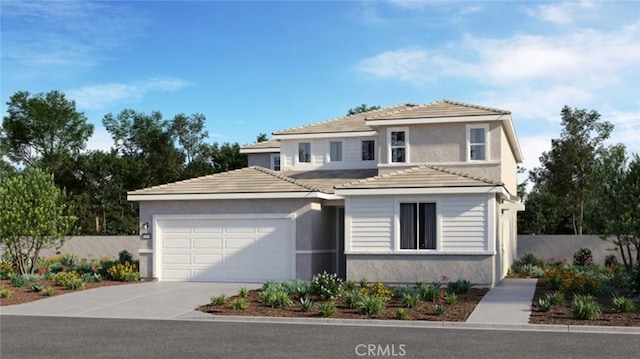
(361, 109)
(227, 157)
(262, 137)
(33, 215)
(42, 129)
(191, 134)
(567, 168)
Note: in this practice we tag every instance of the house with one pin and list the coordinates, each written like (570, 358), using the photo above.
(400, 194)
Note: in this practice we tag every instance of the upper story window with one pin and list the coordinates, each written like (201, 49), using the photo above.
(477, 144)
(304, 152)
(398, 145)
(335, 151)
(368, 150)
(418, 224)
(275, 162)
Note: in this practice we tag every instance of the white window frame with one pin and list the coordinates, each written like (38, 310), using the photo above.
(329, 159)
(362, 153)
(406, 143)
(487, 151)
(298, 153)
(273, 161)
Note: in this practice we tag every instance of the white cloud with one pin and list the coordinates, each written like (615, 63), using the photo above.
(563, 13)
(404, 64)
(100, 96)
(626, 129)
(100, 141)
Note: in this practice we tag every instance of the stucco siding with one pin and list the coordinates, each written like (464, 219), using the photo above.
(259, 159)
(508, 166)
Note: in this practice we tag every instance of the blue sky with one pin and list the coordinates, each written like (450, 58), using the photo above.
(253, 67)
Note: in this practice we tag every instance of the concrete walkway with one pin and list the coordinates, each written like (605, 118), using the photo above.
(507, 303)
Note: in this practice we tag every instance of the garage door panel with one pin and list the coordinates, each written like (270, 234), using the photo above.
(207, 243)
(208, 229)
(177, 258)
(177, 243)
(208, 259)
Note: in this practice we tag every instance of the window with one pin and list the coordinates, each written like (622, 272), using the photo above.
(335, 151)
(275, 162)
(368, 150)
(304, 152)
(398, 145)
(477, 139)
(417, 226)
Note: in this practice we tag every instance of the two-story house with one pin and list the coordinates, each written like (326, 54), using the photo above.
(400, 194)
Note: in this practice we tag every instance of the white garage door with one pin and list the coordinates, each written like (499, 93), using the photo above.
(226, 250)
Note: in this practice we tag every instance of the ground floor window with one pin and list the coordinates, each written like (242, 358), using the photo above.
(418, 226)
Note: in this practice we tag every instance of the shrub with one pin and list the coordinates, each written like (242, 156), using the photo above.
(588, 280)
(302, 289)
(529, 270)
(5, 293)
(306, 304)
(352, 298)
(349, 286)
(36, 286)
(410, 300)
(126, 272)
(275, 299)
(20, 280)
(378, 289)
(47, 291)
(610, 261)
(326, 286)
(363, 282)
(70, 280)
(429, 292)
(582, 256)
(6, 270)
(74, 284)
(623, 305)
(244, 292)
(585, 307)
(327, 309)
(460, 286)
(401, 314)
(275, 287)
(218, 300)
(92, 277)
(239, 304)
(450, 298)
(125, 256)
(556, 298)
(69, 261)
(398, 292)
(440, 309)
(544, 304)
(371, 304)
(531, 259)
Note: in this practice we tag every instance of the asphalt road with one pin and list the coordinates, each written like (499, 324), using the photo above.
(42, 337)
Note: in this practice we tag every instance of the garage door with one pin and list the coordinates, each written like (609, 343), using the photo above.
(226, 250)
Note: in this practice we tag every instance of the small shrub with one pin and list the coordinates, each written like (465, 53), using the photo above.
(36, 286)
(244, 292)
(275, 287)
(450, 298)
(429, 292)
(70, 280)
(274, 299)
(327, 309)
(69, 261)
(544, 304)
(6, 270)
(460, 286)
(126, 272)
(440, 309)
(410, 300)
(582, 257)
(401, 314)
(554, 283)
(5, 293)
(92, 277)
(239, 304)
(371, 304)
(125, 256)
(556, 298)
(349, 286)
(352, 298)
(303, 291)
(306, 304)
(623, 305)
(610, 261)
(326, 286)
(74, 284)
(363, 282)
(585, 307)
(218, 300)
(20, 280)
(398, 292)
(378, 289)
(531, 259)
(47, 291)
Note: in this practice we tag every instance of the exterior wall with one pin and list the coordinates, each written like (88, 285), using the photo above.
(508, 166)
(259, 159)
(464, 222)
(96, 246)
(351, 154)
(410, 269)
(560, 247)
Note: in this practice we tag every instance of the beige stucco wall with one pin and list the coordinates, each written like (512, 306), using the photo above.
(508, 166)
(259, 159)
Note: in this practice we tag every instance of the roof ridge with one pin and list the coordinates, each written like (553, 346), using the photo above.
(457, 103)
(479, 107)
(281, 176)
(342, 118)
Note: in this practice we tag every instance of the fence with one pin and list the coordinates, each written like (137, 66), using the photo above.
(559, 247)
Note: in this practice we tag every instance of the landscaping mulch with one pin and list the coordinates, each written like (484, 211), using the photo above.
(561, 314)
(424, 311)
(24, 294)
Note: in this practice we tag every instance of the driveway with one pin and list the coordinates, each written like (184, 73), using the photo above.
(153, 300)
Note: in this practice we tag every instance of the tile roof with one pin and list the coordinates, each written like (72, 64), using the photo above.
(352, 123)
(442, 108)
(424, 176)
(262, 145)
(327, 180)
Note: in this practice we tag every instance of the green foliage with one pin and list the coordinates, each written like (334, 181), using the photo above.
(239, 304)
(32, 217)
(529, 258)
(20, 280)
(218, 300)
(544, 304)
(327, 309)
(585, 307)
(126, 272)
(401, 314)
(244, 292)
(556, 298)
(363, 282)
(275, 299)
(610, 261)
(569, 279)
(361, 109)
(623, 305)
(440, 309)
(305, 304)
(371, 304)
(47, 291)
(378, 289)
(582, 257)
(450, 298)
(6, 270)
(410, 300)
(349, 286)
(429, 292)
(352, 298)
(400, 291)
(92, 277)
(461, 286)
(529, 270)
(326, 286)
(125, 256)
(5, 293)
(36, 286)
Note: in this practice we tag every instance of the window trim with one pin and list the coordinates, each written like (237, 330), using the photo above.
(341, 152)
(418, 201)
(406, 144)
(470, 127)
(273, 163)
(373, 153)
(298, 154)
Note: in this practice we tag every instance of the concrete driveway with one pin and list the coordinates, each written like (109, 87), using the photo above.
(153, 300)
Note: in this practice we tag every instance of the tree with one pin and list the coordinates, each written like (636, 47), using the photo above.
(42, 129)
(567, 168)
(227, 157)
(361, 109)
(33, 215)
(262, 137)
(191, 134)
